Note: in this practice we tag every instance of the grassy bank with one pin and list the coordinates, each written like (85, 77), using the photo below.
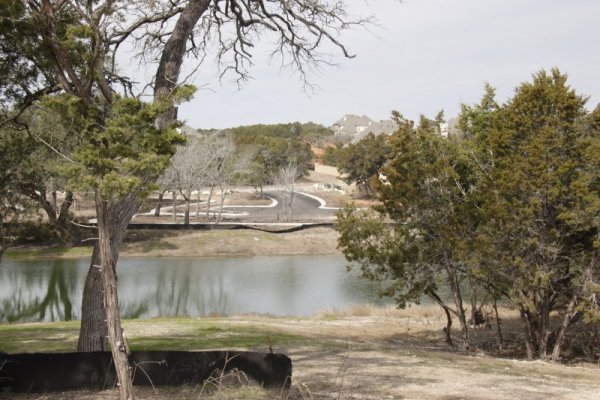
(361, 353)
(178, 243)
(148, 334)
(39, 252)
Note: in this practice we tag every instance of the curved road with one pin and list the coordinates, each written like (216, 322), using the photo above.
(305, 208)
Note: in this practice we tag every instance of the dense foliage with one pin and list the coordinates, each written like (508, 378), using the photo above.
(360, 162)
(275, 146)
(512, 209)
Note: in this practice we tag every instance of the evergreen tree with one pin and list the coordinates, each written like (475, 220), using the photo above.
(360, 162)
(418, 237)
(535, 159)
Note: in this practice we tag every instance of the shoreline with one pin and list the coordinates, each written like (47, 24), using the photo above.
(206, 244)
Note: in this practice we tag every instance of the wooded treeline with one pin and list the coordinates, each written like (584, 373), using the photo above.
(509, 208)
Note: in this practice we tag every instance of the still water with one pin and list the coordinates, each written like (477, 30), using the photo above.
(50, 290)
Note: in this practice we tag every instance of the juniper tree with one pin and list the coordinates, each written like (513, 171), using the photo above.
(538, 176)
(418, 237)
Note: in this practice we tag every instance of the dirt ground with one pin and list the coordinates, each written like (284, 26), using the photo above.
(378, 353)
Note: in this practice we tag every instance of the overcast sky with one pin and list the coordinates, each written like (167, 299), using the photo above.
(427, 55)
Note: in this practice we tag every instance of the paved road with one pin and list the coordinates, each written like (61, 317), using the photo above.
(305, 208)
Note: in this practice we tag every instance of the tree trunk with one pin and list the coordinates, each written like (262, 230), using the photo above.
(447, 337)
(543, 331)
(498, 327)
(187, 199)
(210, 194)
(460, 311)
(159, 204)
(57, 218)
(169, 67)
(198, 205)
(118, 343)
(473, 299)
(526, 325)
(53, 195)
(186, 216)
(2, 240)
(221, 205)
(174, 206)
(292, 203)
(562, 330)
(63, 212)
(93, 333)
(447, 310)
(121, 212)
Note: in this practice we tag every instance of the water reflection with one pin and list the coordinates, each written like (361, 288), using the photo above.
(282, 285)
(33, 291)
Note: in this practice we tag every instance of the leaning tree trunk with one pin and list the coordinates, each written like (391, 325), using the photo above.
(121, 212)
(113, 220)
(93, 333)
(108, 265)
(447, 310)
(562, 330)
(159, 203)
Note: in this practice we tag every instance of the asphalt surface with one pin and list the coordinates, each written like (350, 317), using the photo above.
(305, 208)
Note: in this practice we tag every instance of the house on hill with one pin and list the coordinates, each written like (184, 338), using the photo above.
(358, 126)
(351, 125)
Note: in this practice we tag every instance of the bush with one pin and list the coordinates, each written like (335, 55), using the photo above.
(31, 232)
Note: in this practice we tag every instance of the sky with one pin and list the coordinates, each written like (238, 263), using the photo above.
(424, 56)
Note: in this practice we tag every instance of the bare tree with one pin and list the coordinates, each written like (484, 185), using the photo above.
(211, 160)
(230, 174)
(287, 177)
(187, 171)
(166, 183)
(220, 149)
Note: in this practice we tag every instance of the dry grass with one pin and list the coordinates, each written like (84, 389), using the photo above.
(367, 352)
(231, 242)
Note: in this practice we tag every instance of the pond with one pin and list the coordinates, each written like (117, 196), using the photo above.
(50, 290)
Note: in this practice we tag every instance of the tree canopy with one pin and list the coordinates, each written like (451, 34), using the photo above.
(360, 162)
(511, 208)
